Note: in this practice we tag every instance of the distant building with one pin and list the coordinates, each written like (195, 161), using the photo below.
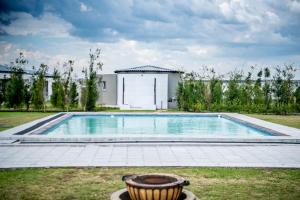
(5, 73)
(145, 87)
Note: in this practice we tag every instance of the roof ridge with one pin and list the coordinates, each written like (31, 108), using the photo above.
(143, 66)
(147, 68)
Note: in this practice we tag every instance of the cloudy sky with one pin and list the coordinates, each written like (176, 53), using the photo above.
(179, 34)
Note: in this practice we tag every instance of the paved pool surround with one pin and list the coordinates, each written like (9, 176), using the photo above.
(34, 130)
(34, 150)
(138, 155)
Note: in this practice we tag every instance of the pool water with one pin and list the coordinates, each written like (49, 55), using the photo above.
(151, 125)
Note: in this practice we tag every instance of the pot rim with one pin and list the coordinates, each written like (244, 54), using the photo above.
(179, 181)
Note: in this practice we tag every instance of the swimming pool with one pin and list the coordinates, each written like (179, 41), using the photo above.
(151, 125)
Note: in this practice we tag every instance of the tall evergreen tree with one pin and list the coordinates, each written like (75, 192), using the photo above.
(3, 86)
(67, 81)
(179, 95)
(297, 98)
(246, 91)
(73, 95)
(257, 91)
(215, 87)
(233, 92)
(267, 90)
(91, 80)
(217, 93)
(83, 97)
(57, 96)
(15, 87)
(38, 87)
(27, 96)
(283, 87)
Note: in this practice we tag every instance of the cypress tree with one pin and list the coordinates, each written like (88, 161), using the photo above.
(267, 89)
(38, 86)
(73, 95)
(27, 96)
(297, 97)
(91, 80)
(15, 86)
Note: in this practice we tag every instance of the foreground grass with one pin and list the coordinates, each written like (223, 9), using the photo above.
(12, 119)
(99, 183)
(288, 120)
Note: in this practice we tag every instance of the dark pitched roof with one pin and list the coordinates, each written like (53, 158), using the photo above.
(6, 69)
(148, 68)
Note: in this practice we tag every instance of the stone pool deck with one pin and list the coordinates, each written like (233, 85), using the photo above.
(102, 155)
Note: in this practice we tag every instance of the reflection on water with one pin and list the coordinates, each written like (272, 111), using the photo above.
(151, 125)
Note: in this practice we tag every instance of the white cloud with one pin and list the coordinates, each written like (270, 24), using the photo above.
(6, 51)
(202, 51)
(47, 25)
(130, 53)
(294, 5)
(190, 34)
(84, 7)
(110, 31)
(256, 20)
(225, 9)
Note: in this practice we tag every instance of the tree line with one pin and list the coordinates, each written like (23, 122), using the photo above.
(263, 93)
(17, 92)
(257, 91)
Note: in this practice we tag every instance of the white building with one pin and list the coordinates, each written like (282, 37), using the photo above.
(145, 88)
(5, 73)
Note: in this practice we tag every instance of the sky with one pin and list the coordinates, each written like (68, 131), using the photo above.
(225, 35)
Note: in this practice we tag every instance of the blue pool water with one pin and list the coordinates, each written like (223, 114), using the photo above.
(150, 125)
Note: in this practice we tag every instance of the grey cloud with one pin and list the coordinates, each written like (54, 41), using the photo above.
(237, 28)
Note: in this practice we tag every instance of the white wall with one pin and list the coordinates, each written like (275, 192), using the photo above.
(174, 78)
(108, 96)
(50, 82)
(139, 91)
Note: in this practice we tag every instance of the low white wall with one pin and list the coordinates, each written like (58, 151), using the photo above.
(139, 91)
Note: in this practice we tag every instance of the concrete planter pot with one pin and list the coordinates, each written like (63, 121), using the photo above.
(124, 195)
(154, 186)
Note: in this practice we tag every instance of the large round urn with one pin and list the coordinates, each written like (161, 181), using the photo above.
(154, 186)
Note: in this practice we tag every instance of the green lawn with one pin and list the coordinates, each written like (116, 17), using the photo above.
(288, 120)
(99, 183)
(12, 119)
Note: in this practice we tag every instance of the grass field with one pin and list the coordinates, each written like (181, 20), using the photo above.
(12, 119)
(99, 183)
(288, 120)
